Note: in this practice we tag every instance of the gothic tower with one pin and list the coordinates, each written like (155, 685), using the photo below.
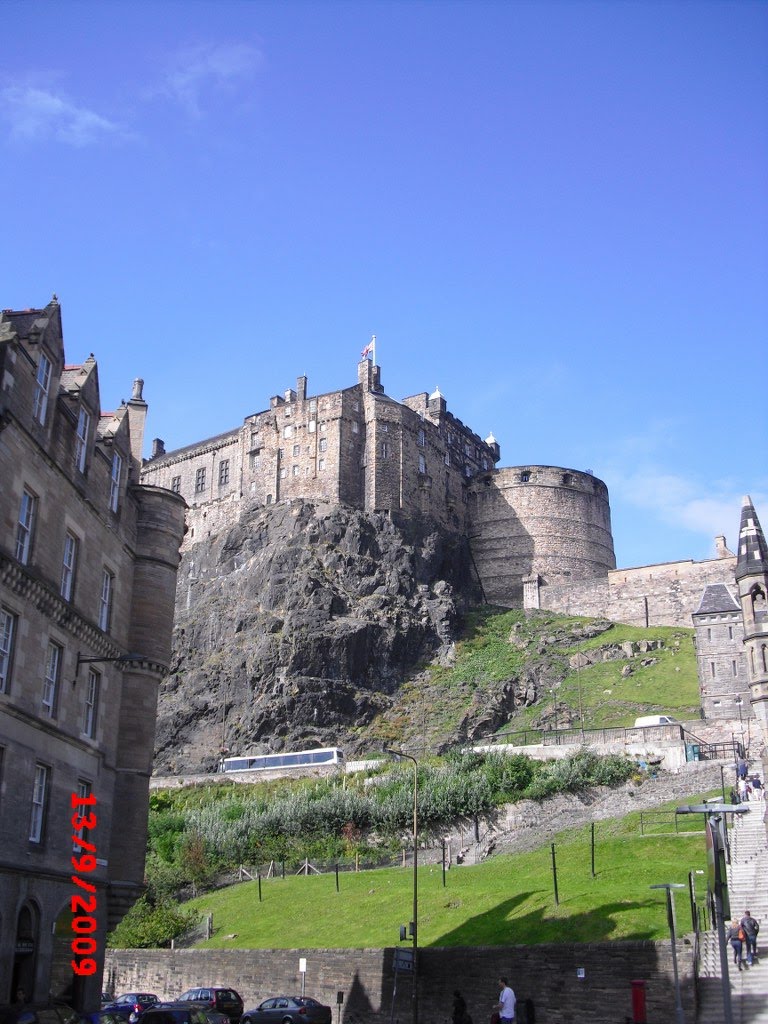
(752, 581)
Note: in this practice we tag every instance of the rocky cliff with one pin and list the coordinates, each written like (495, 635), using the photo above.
(296, 627)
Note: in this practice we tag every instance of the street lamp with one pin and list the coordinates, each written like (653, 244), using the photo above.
(122, 661)
(718, 882)
(669, 886)
(414, 922)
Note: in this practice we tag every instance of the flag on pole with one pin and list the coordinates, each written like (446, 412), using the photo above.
(370, 349)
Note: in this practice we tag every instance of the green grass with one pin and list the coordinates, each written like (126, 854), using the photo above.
(497, 646)
(505, 900)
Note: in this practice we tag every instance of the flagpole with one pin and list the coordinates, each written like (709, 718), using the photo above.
(373, 348)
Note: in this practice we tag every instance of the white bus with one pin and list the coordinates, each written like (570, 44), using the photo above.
(317, 758)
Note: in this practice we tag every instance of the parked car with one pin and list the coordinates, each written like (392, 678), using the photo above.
(225, 1000)
(175, 1013)
(39, 1013)
(189, 1013)
(288, 1010)
(130, 1004)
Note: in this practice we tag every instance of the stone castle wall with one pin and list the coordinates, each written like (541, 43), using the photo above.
(567, 983)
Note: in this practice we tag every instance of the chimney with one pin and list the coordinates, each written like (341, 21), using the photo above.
(301, 388)
(158, 448)
(137, 418)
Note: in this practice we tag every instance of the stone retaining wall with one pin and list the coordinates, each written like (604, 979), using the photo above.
(548, 974)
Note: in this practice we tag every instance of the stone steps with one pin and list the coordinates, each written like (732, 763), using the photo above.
(747, 887)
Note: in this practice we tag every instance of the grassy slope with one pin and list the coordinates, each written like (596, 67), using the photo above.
(505, 900)
(432, 707)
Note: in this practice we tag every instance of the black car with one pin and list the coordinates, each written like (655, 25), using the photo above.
(39, 1013)
(288, 1010)
(225, 1000)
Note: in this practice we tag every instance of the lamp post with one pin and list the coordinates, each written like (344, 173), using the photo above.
(718, 883)
(122, 661)
(669, 886)
(414, 922)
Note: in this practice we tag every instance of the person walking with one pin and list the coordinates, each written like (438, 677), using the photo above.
(506, 1003)
(736, 938)
(750, 927)
(741, 768)
(757, 787)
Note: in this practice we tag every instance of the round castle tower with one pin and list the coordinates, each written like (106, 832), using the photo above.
(538, 521)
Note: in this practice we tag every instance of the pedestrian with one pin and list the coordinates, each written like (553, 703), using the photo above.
(736, 938)
(741, 768)
(506, 1003)
(750, 927)
(743, 791)
(757, 787)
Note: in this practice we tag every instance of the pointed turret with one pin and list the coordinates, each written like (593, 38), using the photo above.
(752, 581)
(753, 551)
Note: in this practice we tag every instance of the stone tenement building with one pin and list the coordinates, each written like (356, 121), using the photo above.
(88, 563)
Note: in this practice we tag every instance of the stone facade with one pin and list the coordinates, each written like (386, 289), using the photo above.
(752, 582)
(568, 983)
(720, 657)
(88, 562)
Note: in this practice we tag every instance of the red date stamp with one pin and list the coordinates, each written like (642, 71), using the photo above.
(83, 904)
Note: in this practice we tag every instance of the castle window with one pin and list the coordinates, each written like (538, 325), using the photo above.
(712, 669)
(525, 477)
(223, 472)
(269, 499)
(81, 439)
(355, 427)
(295, 470)
(42, 387)
(385, 428)
(709, 635)
(323, 444)
(283, 474)
(323, 426)
(255, 461)
(422, 464)
(281, 453)
(313, 405)
(485, 463)
(312, 426)
(733, 666)
(200, 480)
(384, 450)
(296, 450)
(321, 464)
(447, 458)
(176, 484)
(288, 410)
(421, 438)
(288, 430)
(730, 632)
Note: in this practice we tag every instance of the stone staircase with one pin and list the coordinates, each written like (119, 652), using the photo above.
(748, 887)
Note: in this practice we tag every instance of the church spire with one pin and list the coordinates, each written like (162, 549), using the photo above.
(753, 550)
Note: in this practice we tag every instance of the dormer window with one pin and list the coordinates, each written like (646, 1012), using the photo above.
(525, 476)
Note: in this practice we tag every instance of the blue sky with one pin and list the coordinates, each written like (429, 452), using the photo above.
(557, 212)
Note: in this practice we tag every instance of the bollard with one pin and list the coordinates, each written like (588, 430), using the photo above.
(638, 1002)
